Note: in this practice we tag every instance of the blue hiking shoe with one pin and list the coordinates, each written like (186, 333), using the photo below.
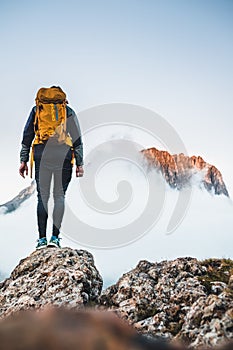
(41, 243)
(54, 242)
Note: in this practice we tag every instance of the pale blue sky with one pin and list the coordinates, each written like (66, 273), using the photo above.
(174, 57)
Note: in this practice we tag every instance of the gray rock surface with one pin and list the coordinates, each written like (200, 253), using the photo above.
(209, 322)
(183, 299)
(50, 276)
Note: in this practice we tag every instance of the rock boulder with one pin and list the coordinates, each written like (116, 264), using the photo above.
(50, 276)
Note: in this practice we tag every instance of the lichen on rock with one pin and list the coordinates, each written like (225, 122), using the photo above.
(50, 276)
(184, 299)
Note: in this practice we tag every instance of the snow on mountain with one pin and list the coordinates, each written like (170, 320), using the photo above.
(14, 203)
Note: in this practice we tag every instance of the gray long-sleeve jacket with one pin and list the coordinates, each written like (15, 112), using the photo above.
(72, 127)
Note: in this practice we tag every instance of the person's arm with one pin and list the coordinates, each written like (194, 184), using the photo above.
(74, 130)
(28, 136)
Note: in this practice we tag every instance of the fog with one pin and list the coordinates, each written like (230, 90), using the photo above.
(206, 230)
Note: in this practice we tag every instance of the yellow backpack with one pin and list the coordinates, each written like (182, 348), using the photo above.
(50, 118)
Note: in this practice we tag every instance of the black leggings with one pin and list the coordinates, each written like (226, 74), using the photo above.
(61, 171)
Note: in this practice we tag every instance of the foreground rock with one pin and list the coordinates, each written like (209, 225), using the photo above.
(181, 300)
(209, 321)
(59, 277)
(62, 329)
(184, 299)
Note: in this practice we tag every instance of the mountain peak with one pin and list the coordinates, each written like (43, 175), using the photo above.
(180, 170)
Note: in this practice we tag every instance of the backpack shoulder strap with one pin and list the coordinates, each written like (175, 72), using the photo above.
(36, 120)
(64, 117)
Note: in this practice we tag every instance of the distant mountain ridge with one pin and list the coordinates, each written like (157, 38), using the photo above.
(14, 203)
(179, 170)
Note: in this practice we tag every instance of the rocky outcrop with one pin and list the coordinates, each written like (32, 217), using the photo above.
(14, 203)
(209, 321)
(183, 299)
(50, 276)
(179, 170)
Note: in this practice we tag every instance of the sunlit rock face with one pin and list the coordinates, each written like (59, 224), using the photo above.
(180, 171)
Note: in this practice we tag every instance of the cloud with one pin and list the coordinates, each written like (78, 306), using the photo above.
(206, 230)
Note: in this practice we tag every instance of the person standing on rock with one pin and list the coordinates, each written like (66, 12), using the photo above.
(55, 129)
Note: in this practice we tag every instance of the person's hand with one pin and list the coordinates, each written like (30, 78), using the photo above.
(79, 171)
(23, 168)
